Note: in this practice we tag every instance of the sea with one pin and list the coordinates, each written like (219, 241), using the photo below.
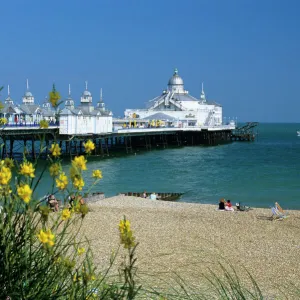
(256, 173)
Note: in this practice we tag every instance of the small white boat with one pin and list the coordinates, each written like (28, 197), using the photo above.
(298, 133)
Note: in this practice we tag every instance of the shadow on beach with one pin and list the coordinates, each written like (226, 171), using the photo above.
(266, 218)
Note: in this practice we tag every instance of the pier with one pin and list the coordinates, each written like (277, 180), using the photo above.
(245, 132)
(35, 141)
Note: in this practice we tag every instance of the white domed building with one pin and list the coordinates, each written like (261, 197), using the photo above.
(85, 118)
(177, 106)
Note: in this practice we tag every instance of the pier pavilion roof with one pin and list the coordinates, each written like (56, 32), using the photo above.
(11, 109)
(160, 116)
(30, 109)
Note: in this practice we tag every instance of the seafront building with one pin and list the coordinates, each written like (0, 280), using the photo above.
(177, 107)
(85, 119)
(82, 119)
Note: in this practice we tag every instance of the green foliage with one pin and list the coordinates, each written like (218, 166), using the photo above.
(41, 254)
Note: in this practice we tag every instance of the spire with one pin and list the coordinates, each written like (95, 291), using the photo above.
(8, 91)
(101, 95)
(86, 85)
(27, 85)
(69, 90)
(202, 97)
(175, 71)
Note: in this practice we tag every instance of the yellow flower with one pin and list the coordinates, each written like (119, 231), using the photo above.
(126, 235)
(55, 150)
(54, 96)
(78, 183)
(3, 121)
(43, 237)
(80, 162)
(46, 237)
(27, 169)
(124, 225)
(51, 237)
(8, 162)
(5, 175)
(89, 146)
(55, 169)
(80, 251)
(62, 181)
(66, 214)
(44, 124)
(97, 174)
(24, 192)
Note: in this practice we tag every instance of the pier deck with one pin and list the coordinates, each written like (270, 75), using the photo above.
(14, 139)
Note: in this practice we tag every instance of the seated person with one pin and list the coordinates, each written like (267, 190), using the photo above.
(71, 201)
(222, 204)
(53, 203)
(81, 200)
(153, 196)
(228, 206)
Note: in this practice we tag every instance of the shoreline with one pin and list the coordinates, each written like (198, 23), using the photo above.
(189, 238)
(97, 202)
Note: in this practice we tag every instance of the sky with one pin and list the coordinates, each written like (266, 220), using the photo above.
(245, 51)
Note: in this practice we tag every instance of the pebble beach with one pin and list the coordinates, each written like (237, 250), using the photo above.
(189, 239)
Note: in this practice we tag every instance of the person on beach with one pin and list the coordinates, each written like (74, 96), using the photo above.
(144, 194)
(228, 206)
(153, 196)
(53, 203)
(222, 204)
(71, 201)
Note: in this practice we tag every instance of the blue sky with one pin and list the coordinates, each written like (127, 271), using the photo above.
(246, 52)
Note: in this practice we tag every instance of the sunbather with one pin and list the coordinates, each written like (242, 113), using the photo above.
(277, 215)
(279, 208)
(53, 203)
(222, 204)
(228, 206)
(240, 207)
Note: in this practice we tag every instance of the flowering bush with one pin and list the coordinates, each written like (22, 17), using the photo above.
(41, 256)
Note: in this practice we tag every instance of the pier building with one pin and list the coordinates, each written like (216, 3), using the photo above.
(25, 113)
(175, 105)
(85, 119)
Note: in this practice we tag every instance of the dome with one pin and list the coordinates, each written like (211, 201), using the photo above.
(175, 79)
(28, 94)
(69, 102)
(87, 93)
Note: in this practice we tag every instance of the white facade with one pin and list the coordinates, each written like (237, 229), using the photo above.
(84, 119)
(71, 124)
(177, 105)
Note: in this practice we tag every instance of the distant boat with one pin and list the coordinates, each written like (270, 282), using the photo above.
(298, 133)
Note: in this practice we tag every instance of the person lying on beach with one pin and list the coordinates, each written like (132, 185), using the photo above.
(228, 206)
(240, 207)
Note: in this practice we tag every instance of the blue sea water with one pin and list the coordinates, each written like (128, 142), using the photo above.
(255, 173)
